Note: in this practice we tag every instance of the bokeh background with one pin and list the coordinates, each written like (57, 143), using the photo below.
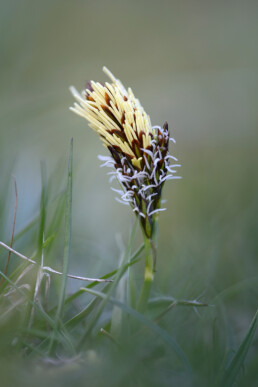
(192, 63)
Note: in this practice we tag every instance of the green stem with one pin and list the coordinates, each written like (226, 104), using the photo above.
(148, 276)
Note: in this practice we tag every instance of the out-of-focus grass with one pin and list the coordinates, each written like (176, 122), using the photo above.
(193, 64)
(199, 270)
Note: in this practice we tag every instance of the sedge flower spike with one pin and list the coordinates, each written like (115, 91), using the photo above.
(139, 152)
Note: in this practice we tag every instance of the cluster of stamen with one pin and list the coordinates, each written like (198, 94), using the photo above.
(139, 152)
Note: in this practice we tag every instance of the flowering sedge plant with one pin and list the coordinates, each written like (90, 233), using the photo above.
(139, 152)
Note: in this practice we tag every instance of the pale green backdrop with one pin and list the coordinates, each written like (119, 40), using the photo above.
(192, 63)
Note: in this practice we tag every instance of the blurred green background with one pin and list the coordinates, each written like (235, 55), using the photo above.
(191, 63)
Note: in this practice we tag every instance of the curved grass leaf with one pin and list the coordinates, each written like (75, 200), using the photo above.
(237, 362)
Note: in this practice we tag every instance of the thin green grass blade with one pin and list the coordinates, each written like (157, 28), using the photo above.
(67, 242)
(25, 229)
(122, 292)
(39, 333)
(39, 254)
(34, 349)
(85, 311)
(93, 304)
(52, 338)
(145, 321)
(43, 314)
(57, 217)
(134, 259)
(34, 221)
(237, 362)
(6, 169)
(117, 318)
(49, 240)
(43, 202)
(113, 285)
(131, 288)
(61, 337)
(231, 291)
(164, 301)
(55, 220)
(82, 314)
(12, 275)
(67, 246)
(165, 304)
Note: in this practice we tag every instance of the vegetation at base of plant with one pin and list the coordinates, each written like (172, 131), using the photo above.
(106, 320)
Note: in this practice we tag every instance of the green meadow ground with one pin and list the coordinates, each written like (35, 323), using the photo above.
(194, 65)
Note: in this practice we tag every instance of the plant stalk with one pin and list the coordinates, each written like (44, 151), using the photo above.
(148, 276)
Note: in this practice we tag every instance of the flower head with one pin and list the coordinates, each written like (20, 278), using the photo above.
(139, 152)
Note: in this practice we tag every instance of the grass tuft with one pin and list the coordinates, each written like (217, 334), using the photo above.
(96, 329)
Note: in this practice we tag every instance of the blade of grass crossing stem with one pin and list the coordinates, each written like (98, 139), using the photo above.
(104, 301)
(145, 321)
(67, 246)
(237, 362)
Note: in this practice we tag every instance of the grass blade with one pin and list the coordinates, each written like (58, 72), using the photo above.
(165, 301)
(104, 301)
(237, 362)
(39, 254)
(67, 246)
(43, 314)
(145, 321)
(67, 243)
(43, 203)
(82, 314)
(85, 311)
(14, 220)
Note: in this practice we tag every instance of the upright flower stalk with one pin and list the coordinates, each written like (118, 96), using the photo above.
(139, 153)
